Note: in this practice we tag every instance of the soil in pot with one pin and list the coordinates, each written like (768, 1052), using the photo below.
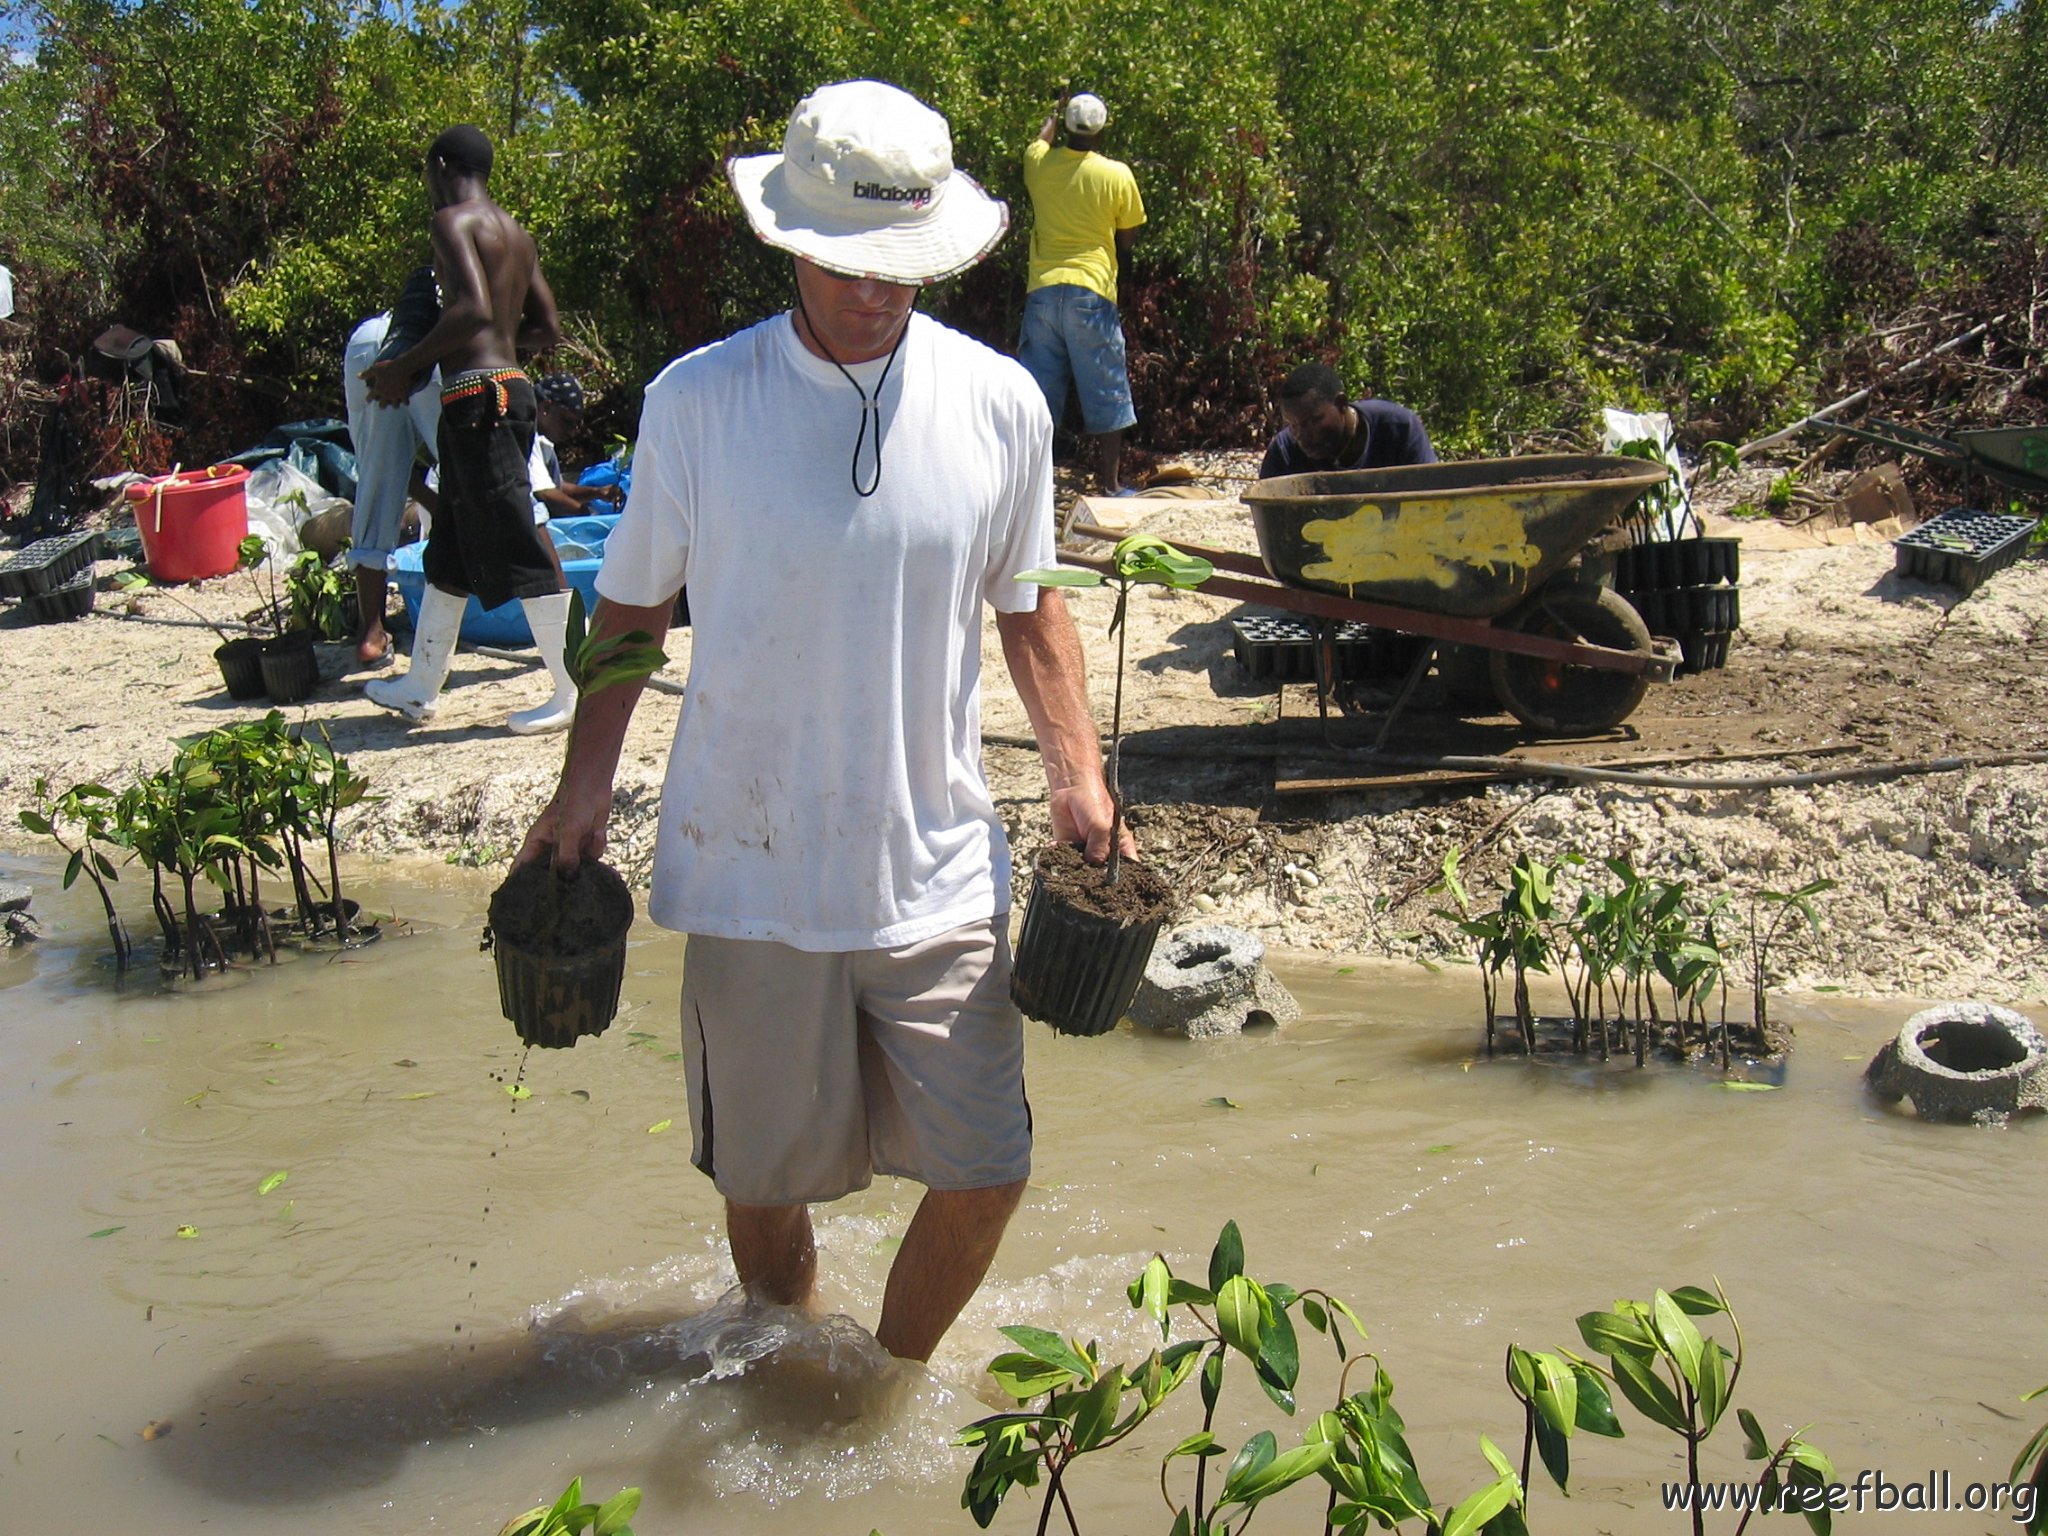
(560, 944)
(1085, 942)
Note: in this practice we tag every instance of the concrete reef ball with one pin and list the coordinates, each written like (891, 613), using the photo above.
(1964, 1061)
(1210, 980)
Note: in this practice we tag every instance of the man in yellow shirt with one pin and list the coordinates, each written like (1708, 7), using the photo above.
(1085, 213)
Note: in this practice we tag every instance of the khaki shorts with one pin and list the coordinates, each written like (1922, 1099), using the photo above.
(809, 1074)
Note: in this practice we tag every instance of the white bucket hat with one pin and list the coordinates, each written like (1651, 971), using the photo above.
(865, 187)
(1086, 114)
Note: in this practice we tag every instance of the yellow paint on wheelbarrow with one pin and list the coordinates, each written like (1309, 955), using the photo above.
(1422, 540)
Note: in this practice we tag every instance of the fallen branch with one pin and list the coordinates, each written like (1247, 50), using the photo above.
(1819, 417)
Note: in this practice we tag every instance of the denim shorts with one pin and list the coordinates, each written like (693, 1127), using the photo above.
(1073, 335)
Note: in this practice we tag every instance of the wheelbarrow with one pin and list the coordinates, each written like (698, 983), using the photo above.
(1473, 553)
(2016, 457)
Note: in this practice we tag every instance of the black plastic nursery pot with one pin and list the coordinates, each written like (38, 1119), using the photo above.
(241, 667)
(1075, 969)
(560, 952)
(290, 669)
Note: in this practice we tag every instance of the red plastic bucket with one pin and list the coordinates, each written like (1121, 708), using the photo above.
(193, 523)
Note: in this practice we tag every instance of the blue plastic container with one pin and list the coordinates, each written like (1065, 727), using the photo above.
(505, 625)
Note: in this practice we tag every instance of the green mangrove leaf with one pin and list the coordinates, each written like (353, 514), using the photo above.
(1282, 1471)
(1026, 1376)
(1097, 1410)
(1063, 576)
(1610, 1333)
(1680, 1338)
(1650, 1392)
(108, 1231)
(659, 1126)
(1227, 1258)
(1151, 1291)
(519, 1090)
(1203, 1444)
(1481, 1507)
(1212, 1378)
(615, 1512)
(1699, 1302)
(272, 1182)
(1755, 1446)
(1043, 1344)
(1555, 1393)
(1596, 1408)
(1240, 1314)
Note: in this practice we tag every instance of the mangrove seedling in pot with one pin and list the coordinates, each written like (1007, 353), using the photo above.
(1087, 934)
(559, 939)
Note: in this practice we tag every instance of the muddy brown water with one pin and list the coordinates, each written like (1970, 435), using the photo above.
(447, 1309)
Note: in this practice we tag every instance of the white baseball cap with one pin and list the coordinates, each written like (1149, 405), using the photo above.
(1086, 114)
(865, 187)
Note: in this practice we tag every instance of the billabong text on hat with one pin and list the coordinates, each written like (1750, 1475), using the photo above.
(917, 197)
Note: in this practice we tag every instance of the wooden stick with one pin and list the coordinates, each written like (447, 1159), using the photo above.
(1818, 418)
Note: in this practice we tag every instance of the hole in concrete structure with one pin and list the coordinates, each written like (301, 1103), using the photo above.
(1967, 1045)
(1258, 1018)
(1202, 954)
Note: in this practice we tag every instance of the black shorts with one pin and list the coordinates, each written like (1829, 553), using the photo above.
(484, 540)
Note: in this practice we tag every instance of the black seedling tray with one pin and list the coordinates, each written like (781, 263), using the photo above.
(48, 564)
(1283, 649)
(73, 600)
(1962, 547)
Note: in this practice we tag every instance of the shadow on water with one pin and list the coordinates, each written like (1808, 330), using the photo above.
(292, 1423)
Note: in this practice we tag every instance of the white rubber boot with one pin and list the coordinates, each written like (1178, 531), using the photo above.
(416, 694)
(548, 618)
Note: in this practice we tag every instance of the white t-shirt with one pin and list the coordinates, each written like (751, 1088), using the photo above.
(825, 789)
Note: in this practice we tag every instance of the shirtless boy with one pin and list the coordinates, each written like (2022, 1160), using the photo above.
(495, 310)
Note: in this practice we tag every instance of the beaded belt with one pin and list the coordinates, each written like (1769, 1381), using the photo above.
(492, 381)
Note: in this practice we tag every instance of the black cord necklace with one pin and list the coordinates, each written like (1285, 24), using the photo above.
(870, 405)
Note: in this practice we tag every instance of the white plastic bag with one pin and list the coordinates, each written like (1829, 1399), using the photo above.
(282, 497)
(1622, 427)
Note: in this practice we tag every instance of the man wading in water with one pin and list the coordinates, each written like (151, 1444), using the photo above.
(827, 839)
(495, 309)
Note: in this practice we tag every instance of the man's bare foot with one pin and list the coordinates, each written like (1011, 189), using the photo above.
(374, 648)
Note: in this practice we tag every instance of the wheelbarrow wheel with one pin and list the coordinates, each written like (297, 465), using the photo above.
(1554, 695)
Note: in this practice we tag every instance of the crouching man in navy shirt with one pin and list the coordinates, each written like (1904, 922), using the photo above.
(1324, 432)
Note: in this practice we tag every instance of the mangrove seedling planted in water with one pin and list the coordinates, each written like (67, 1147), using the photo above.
(1072, 1404)
(1137, 558)
(90, 808)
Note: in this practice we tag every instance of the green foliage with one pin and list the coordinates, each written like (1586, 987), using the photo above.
(1357, 1447)
(321, 598)
(230, 806)
(1071, 1403)
(1504, 215)
(571, 1516)
(1624, 940)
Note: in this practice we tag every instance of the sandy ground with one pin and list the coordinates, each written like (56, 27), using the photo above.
(1943, 877)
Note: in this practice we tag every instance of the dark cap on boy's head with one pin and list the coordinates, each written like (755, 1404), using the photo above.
(464, 147)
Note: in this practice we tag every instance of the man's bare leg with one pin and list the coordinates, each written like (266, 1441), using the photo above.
(372, 586)
(773, 1250)
(947, 1250)
(1109, 462)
